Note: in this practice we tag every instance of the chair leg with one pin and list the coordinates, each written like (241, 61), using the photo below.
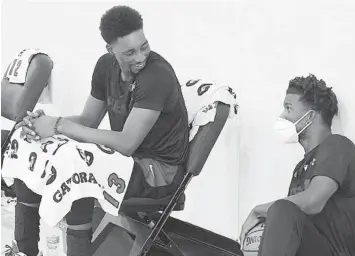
(142, 232)
(168, 244)
(157, 229)
(138, 229)
(145, 235)
(132, 226)
(137, 248)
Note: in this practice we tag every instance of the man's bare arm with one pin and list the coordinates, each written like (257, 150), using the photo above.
(311, 201)
(138, 124)
(17, 99)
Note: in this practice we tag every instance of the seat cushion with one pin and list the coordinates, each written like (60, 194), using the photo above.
(150, 205)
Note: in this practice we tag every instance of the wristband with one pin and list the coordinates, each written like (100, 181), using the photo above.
(56, 126)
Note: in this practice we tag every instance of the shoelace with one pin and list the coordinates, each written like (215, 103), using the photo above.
(11, 252)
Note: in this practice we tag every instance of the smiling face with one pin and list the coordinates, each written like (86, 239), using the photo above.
(131, 52)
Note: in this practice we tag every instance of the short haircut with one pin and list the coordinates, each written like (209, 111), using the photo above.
(316, 95)
(119, 21)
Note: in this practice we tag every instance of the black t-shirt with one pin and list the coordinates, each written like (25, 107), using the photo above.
(155, 87)
(334, 158)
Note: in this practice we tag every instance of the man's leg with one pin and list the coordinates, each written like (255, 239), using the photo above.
(290, 232)
(79, 230)
(26, 219)
(7, 190)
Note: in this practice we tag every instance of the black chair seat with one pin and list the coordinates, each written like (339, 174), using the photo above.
(150, 205)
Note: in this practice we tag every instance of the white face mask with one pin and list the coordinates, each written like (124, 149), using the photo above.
(287, 130)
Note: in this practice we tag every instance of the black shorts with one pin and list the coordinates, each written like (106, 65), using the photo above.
(139, 187)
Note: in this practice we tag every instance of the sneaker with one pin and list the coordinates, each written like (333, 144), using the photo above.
(13, 250)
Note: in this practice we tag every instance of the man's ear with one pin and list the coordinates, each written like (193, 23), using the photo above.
(109, 49)
(311, 116)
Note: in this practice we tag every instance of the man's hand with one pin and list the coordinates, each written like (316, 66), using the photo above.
(249, 223)
(26, 125)
(43, 126)
(26, 121)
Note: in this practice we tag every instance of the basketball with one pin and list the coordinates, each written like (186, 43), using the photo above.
(252, 240)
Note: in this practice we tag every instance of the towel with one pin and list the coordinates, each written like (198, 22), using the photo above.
(63, 170)
(201, 99)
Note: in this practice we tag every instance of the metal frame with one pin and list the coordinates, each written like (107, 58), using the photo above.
(157, 229)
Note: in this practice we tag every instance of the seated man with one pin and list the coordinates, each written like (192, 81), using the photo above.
(21, 89)
(318, 216)
(142, 95)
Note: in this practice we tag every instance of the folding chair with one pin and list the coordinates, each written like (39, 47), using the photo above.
(16, 99)
(151, 229)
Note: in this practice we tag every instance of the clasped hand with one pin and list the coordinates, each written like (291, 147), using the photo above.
(36, 126)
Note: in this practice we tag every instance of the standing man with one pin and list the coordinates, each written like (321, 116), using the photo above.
(318, 216)
(142, 95)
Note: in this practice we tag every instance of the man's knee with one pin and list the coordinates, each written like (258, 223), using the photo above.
(81, 212)
(24, 194)
(79, 232)
(283, 207)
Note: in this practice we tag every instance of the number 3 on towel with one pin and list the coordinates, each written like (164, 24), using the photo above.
(113, 179)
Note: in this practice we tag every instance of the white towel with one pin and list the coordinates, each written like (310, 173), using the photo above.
(201, 99)
(7, 124)
(47, 93)
(63, 170)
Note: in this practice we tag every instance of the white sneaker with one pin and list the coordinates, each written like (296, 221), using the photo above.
(13, 250)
